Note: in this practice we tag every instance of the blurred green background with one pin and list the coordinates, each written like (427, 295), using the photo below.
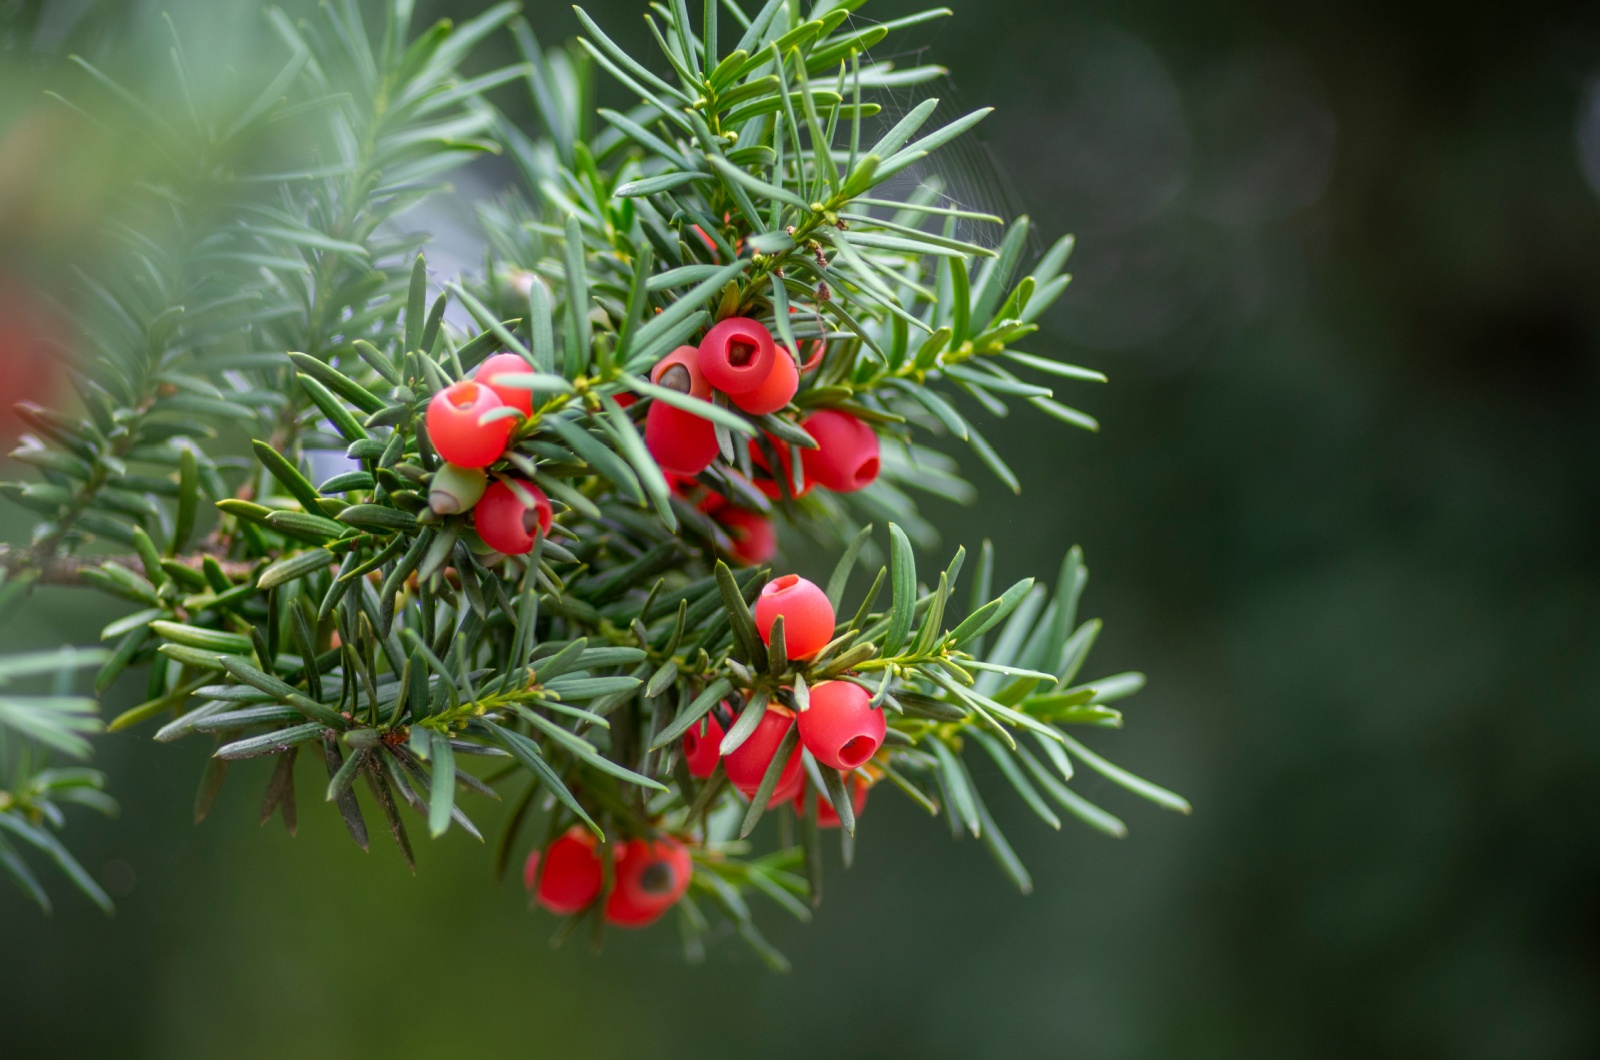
(1342, 264)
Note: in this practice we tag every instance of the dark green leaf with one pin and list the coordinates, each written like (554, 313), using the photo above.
(904, 584)
(441, 799)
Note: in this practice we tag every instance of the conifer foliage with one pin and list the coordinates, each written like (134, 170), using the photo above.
(583, 611)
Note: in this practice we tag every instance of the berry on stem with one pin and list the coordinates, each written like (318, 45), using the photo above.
(754, 539)
(650, 878)
(455, 432)
(571, 876)
(506, 522)
(775, 391)
(840, 728)
(507, 364)
(681, 442)
(702, 752)
(808, 617)
(737, 356)
(847, 457)
(748, 762)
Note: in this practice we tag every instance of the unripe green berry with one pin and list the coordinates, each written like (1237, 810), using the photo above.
(456, 489)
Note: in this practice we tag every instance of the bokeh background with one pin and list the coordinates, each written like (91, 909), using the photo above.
(1342, 264)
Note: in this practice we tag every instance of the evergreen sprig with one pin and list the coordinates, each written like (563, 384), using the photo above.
(754, 177)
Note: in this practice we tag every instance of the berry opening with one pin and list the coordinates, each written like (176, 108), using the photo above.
(530, 521)
(740, 352)
(867, 473)
(676, 377)
(464, 395)
(786, 582)
(858, 751)
(657, 879)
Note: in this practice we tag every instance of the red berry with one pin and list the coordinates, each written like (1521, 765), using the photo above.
(847, 459)
(506, 523)
(454, 429)
(840, 728)
(827, 816)
(807, 616)
(680, 371)
(651, 877)
(681, 442)
(737, 355)
(754, 539)
(749, 761)
(702, 751)
(774, 391)
(507, 364)
(572, 873)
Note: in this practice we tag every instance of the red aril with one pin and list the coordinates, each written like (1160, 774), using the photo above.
(454, 428)
(737, 356)
(508, 524)
(847, 456)
(839, 727)
(650, 878)
(570, 875)
(808, 618)
(500, 364)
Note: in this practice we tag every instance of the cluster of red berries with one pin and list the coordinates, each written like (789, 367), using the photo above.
(739, 358)
(649, 876)
(839, 726)
(509, 513)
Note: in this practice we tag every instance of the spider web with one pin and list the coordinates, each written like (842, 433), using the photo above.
(965, 172)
